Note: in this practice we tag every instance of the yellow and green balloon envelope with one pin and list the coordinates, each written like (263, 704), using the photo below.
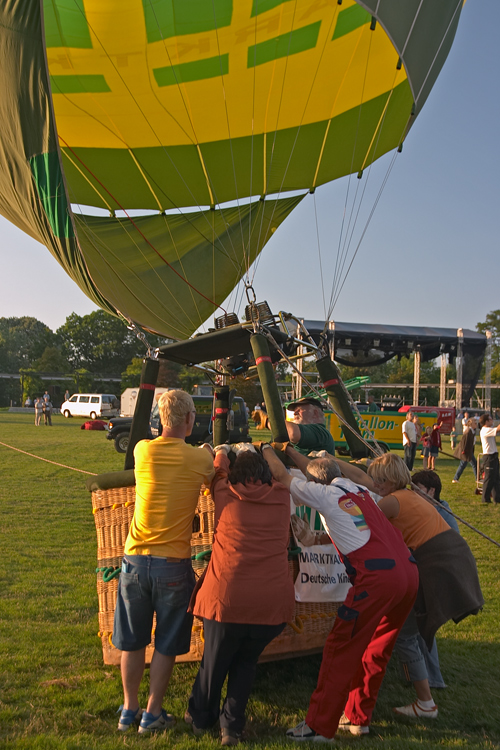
(205, 115)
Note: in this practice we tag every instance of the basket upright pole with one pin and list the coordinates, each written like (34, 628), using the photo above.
(332, 383)
(140, 423)
(221, 414)
(260, 349)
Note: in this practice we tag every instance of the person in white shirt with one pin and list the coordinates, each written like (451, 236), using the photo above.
(409, 440)
(385, 583)
(491, 482)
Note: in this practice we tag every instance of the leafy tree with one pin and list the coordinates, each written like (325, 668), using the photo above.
(22, 342)
(100, 343)
(492, 323)
(32, 385)
(51, 360)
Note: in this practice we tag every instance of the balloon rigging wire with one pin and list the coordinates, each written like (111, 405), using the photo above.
(247, 264)
(140, 232)
(229, 136)
(379, 195)
(164, 149)
(292, 150)
(339, 286)
(457, 8)
(319, 255)
(341, 244)
(112, 277)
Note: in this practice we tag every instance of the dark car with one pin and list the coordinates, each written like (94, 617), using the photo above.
(119, 427)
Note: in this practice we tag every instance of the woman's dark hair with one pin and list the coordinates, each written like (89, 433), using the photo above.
(250, 467)
(429, 479)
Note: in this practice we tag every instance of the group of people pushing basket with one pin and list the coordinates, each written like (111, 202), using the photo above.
(410, 572)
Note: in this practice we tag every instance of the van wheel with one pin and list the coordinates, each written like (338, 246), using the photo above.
(67, 414)
(121, 442)
(93, 415)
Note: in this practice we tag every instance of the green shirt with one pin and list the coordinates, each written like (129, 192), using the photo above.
(314, 437)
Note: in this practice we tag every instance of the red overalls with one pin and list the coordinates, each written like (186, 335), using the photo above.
(358, 648)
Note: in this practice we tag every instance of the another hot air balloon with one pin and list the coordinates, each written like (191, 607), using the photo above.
(177, 107)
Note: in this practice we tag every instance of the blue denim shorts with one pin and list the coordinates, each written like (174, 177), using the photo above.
(148, 585)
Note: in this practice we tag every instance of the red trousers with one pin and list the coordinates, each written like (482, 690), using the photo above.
(360, 643)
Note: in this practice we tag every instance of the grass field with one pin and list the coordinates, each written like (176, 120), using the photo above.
(56, 693)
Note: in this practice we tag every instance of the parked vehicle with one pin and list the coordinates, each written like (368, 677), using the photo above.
(119, 427)
(386, 426)
(91, 405)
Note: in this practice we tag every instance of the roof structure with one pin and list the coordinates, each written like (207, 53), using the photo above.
(369, 344)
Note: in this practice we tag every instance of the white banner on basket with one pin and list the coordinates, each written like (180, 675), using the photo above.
(322, 576)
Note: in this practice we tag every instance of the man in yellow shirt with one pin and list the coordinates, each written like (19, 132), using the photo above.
(157, 576)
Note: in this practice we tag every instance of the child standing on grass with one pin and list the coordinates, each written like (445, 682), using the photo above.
(426, 445)
(434, 445)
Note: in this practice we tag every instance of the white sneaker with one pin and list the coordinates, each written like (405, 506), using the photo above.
(346, 726)
(415, 710)
(303, 732)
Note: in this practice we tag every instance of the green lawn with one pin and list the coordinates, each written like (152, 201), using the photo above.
(55, 691)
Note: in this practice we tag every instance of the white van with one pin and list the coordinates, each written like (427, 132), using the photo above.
(91, 405)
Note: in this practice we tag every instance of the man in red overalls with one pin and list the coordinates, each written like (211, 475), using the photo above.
(384, 581)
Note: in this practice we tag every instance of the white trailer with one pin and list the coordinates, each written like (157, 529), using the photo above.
(129, 400)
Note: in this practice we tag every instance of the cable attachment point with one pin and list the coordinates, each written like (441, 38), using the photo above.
(249, 288)
(140, 335)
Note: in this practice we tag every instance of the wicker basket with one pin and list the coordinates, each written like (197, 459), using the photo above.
(113, 510)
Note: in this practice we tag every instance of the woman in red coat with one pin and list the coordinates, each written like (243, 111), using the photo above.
(247, 595)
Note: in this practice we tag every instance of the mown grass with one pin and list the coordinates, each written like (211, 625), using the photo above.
(56, 693)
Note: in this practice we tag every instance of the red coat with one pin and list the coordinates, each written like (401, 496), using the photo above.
(247, 580)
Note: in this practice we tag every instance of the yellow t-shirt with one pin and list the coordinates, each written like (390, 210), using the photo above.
(168, 475)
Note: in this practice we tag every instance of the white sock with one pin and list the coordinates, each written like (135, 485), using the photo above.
(425, 704)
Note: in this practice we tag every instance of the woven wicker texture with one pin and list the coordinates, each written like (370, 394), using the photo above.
(113, 511)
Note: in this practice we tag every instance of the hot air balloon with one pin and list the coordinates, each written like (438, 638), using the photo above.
(154, 147)
(189, 126)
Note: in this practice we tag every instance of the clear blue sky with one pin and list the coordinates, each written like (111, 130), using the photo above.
(431, 253)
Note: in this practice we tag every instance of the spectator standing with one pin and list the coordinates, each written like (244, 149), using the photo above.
(47, 413)
(409, 440)
(157, 576)
(491, 482)
(38, 411)
(453, 437)
(426, 446)
(465, 451)
(67, 395)
(434, 446)
(372, 406)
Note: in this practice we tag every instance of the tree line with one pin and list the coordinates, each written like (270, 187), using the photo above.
(87, 349)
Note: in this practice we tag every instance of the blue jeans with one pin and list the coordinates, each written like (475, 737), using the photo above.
(410, 451)
(150, 585)
(461, 466)
(417, 662)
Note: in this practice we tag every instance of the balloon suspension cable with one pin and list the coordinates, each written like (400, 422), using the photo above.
(150, 353)
(375, 450)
